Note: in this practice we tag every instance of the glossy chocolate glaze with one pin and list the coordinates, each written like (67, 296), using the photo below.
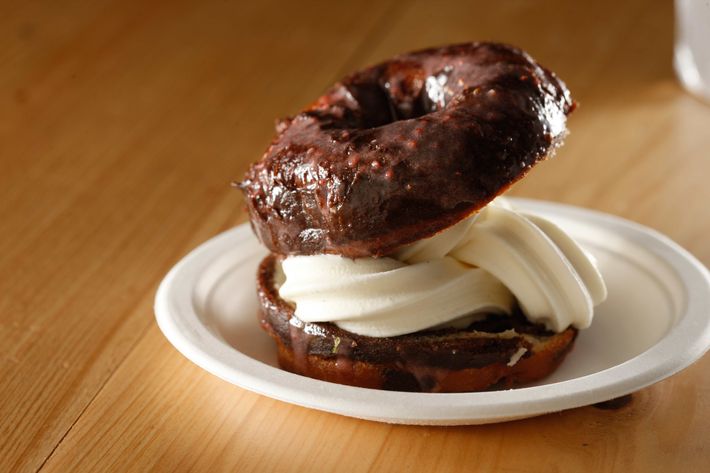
(404, 149)
(414, 362)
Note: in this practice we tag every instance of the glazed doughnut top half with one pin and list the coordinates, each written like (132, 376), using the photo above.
(404, 149)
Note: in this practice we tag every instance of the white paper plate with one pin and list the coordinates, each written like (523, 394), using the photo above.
(655, 322)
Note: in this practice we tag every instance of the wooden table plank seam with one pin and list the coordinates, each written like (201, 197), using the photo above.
(93, 398)
(189, 244)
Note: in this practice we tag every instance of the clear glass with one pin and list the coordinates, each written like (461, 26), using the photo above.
(692, 46)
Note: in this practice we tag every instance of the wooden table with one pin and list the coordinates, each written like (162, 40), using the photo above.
(121, 126)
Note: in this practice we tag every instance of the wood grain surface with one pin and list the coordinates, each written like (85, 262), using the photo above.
(122, 124)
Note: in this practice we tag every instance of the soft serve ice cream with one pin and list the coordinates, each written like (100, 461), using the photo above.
(482, 265)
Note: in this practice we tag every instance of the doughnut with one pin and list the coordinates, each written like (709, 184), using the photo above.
(496, 353)
(404, 149)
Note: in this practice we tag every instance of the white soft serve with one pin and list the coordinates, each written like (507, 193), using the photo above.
(479, 266)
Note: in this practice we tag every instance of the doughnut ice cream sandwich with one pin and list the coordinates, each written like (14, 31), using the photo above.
(394, 264)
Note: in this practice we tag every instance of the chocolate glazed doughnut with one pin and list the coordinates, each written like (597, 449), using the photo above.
(404, 149)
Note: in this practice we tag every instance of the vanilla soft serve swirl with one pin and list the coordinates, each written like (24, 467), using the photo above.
(479, 266)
